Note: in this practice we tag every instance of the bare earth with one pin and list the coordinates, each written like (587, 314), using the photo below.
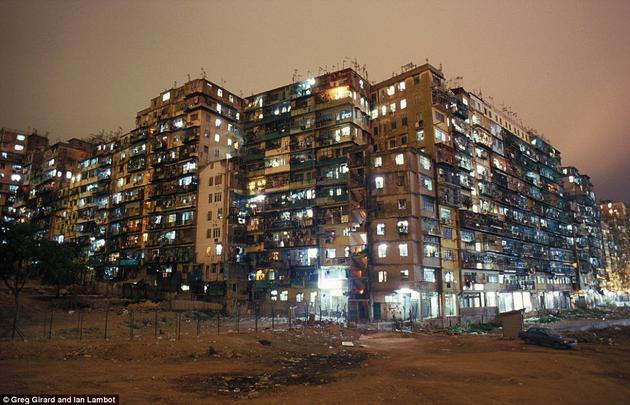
(309, 365)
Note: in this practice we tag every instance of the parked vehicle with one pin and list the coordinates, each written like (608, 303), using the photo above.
(547, 337)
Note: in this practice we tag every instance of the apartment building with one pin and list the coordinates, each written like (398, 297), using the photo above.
(14, 148)
(47, 176)
(305, 152)
(587, 232)
(417, 191)
(161, 221)
(404, 199)
(616, 235)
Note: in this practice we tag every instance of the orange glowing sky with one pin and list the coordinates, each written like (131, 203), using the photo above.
(73, 68)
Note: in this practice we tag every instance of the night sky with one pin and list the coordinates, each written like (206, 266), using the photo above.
(74, 68)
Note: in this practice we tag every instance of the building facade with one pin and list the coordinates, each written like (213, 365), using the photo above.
(14, 148)
(404, 199)
(616, 235)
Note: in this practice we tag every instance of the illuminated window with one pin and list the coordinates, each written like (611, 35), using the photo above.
(380, 229)
(392, 107)
(391, 90)
(400, 159)
(382, 276)
(440, 136)
(217, 123)
(382, 250)
(21, 137)
(299, 297)
(274, 295)
(284, 296)
(219, 249)
(427, 183)
(18, 147)
(166, 96)
(217, 137)
(379, 182)
(402, 250)
(429, 275)
(378, 161)
(383, 110)
(403, 227)
(331, 253)
(219, 92)
(404, 274)
(403, 104)
(425, 163)
(420, 135)
(401, 86)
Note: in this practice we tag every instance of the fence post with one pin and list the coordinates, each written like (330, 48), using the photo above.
(80, 324)
(320, 312)
(106, 321)
(289, 315)
(273, 318)
(238, 316)
(256, 317)
(155, 324)
(51, 324)
(131, 325)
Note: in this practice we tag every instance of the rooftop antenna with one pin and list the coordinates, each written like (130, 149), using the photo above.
(203, 73)
(175, 84)
(188, 76)
(427, 60)
(295, 77)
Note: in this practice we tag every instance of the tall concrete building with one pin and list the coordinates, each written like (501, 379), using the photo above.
(47, 175)
(306, 146)
(401, 199)
(587, 232)
(416, 188)
(14, 148)
(616, 234)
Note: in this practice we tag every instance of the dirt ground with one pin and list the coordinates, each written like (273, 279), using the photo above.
(310, 366)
